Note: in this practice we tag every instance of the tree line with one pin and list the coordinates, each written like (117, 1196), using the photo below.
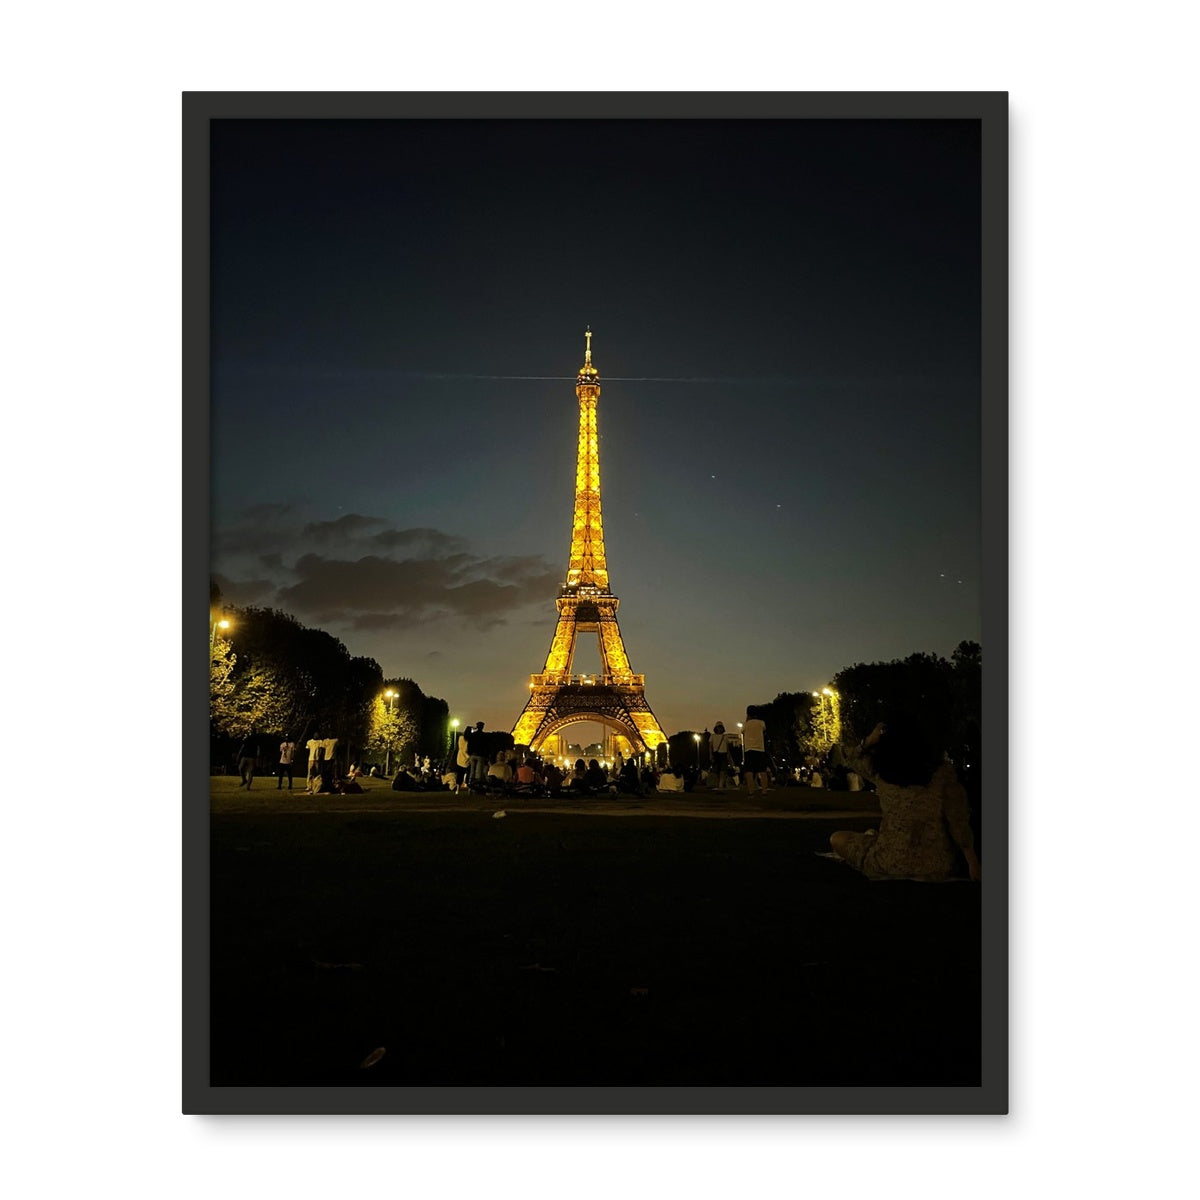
(276, 679)
(943, 697)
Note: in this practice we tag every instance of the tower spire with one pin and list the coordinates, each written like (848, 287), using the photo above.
(588, 373)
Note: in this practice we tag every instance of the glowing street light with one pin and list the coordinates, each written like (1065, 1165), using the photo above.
(696, 738)
(453, 735)
(221, 623)
(390, 696)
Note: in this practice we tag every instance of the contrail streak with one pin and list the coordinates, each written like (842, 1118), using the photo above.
(384, 372)
(603, 378)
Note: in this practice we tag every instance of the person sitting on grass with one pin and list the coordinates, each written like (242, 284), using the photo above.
(627, 780)
(500, 772)
(404, 782)
(670, 780)
(325, 781)
(575, 782)
(595, 779)
(553, 777)
(926, 819)
(528, 779)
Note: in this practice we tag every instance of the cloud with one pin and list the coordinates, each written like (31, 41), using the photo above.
(358, 573)
(342, 529)
(245, 591)
(365, 591)
(266, 512)
(432, 541)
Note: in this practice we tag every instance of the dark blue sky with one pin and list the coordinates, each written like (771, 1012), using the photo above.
(786, 324)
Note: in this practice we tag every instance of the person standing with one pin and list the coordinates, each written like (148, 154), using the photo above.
(720, 755)
(461, 762)
(287, 751)
(247, 761)
(754, 752)
(477, 755)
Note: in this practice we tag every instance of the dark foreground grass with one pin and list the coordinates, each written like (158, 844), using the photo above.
(552, 949)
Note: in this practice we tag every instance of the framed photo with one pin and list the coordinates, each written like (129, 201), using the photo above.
(600, 504)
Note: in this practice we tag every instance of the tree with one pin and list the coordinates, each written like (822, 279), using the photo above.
(390, 728)
(276, 677)
(967, 713)
(681, 748)
(435, 728)
(822, 725)
(220, 679)
(941, 698)
(788, 719)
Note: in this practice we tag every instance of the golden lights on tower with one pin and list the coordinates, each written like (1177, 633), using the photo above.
(586, 605)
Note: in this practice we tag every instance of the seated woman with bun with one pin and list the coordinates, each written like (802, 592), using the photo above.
(926, 820)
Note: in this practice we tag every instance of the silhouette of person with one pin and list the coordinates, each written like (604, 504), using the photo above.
(287, 752)
(755, 763)
(719, 745)
(477, 755)
(926, 819)
(247, 761)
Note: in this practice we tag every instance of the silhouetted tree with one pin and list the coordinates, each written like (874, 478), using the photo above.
(435, 728)
(681, 747)
(943, 697)
(276, 677)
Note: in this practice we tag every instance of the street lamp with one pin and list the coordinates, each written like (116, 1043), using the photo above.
(453, 737)
(696, 737)
(390, 696)
(222, 623)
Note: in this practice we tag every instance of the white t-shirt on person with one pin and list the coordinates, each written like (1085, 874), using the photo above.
(754, 734)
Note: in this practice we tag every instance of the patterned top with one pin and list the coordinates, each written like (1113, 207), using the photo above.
(922, 830)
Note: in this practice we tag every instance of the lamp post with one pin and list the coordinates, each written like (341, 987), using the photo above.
(390, 696)
(696, 739)
(221, 623)
(453, 739)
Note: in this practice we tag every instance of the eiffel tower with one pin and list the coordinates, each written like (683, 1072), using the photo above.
(616, 697)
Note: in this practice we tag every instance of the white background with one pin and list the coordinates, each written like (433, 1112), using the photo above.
(1104, 324)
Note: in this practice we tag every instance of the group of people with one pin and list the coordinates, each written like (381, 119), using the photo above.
(248, 756)
(323, 777)
(511, 771)
(925, 831)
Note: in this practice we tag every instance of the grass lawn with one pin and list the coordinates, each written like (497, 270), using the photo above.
(557, 947)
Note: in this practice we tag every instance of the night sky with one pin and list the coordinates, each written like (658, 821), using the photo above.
(785, 318)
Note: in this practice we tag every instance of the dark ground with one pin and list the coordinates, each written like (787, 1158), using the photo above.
(563, 948)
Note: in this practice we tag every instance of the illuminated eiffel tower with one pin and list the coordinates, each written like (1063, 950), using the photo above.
(616, 697)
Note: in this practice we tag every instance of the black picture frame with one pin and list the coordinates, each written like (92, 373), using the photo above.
(991, 110)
